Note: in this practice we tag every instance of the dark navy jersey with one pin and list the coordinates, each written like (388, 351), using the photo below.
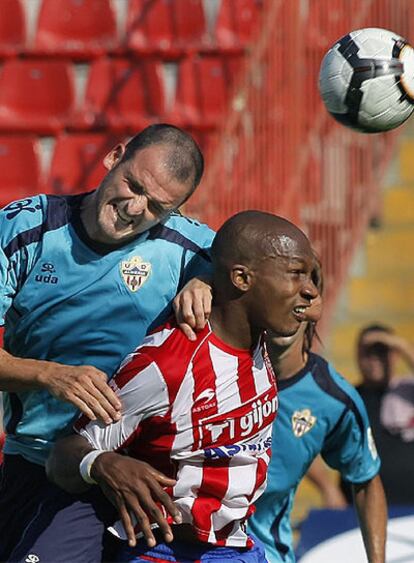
(319, 412)
(68, 299)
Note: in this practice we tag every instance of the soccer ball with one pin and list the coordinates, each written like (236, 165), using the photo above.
(367, 80)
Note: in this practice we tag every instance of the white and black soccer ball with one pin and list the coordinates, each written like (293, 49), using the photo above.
(367, 80)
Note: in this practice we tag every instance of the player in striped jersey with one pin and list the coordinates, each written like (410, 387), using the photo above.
(200, 412)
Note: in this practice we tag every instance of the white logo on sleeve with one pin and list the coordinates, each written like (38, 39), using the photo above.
(371, 444)
(32, 558)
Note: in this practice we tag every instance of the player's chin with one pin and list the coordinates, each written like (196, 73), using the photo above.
(285, 331)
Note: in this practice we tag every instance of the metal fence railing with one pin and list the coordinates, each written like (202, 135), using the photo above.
(279, 150)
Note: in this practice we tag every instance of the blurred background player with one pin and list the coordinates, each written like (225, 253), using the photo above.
(83, 278)
(389, 400)
(319, 413)
(198, 411)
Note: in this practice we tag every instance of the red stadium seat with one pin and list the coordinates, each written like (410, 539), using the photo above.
(166, 27)
(19, 168)
(2, 438)
(236, 24)
(12, 28)
(203, 90)
(75, 28)
(122, 95)
(35, 95)
(76, 164)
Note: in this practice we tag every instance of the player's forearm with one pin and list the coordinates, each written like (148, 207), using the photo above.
(22, 374)
(406, 350)
(62, 466)
(371, 507)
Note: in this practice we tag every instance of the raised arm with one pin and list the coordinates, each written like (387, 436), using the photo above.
(398, 344)
(371, 506)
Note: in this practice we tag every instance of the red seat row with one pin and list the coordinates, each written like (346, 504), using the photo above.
(75, 163)
(123, 95)
(87, 28)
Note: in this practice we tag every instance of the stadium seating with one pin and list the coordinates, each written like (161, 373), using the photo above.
(19, 168)
(236, 24)
(203, 90)
(77, 28)
(12, 28)
(165, 27)
(76, 164)
(123, 95)
(35, 95)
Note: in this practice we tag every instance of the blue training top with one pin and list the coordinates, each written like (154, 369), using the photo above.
(71, 300)
(319, 412)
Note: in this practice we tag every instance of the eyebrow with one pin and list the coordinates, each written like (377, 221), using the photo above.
(139, 187)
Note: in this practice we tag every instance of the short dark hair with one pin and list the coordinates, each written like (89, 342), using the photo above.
(185, 159)
(374, 327)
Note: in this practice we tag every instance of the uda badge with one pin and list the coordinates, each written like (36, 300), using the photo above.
(135, 272)
(302, 422)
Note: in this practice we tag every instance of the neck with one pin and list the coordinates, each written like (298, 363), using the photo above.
(287, 361)
(230, 323)
(87, 214)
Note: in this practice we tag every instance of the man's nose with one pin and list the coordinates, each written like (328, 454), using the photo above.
(137, 205)
(309, 289)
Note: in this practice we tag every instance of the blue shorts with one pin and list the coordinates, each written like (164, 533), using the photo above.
(184, 552)
(59, 527)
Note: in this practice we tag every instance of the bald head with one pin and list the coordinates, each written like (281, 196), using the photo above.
(252, 236)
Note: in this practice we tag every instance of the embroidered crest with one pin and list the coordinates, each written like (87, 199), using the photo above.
(135, 272)
(302, 422)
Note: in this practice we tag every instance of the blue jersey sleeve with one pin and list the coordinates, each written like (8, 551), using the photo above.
(350, 448)
(196, 258)
(17, 221)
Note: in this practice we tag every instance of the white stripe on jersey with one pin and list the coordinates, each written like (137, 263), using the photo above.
(259, 369)
(136, 406)
(227, 390)
(182, 416)
(157, 338)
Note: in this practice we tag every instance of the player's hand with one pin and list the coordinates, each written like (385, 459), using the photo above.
(192, 306)
(381, 337)
(85, 387)
(134, 487)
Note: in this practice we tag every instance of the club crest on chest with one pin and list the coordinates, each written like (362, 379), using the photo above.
(302, 422)
(135, 272)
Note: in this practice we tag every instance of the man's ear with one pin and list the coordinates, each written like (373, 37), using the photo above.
(114, 156)
(242, 277)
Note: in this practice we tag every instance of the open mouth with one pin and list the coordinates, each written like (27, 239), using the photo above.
(299, 313)
(124, 220)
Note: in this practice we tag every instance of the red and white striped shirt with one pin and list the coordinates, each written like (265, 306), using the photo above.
(201, 412)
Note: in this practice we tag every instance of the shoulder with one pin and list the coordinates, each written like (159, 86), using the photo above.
(168, 347)
(331, 381)
(26, 220)
(186, 232)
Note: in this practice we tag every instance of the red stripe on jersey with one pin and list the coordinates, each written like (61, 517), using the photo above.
(154, 442)
(204, 394)
(261, 473)
(212, 490)
(174, 356)
(137, 363)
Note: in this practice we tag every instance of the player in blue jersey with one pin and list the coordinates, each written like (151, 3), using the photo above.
(83, 278)
(319, 412)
